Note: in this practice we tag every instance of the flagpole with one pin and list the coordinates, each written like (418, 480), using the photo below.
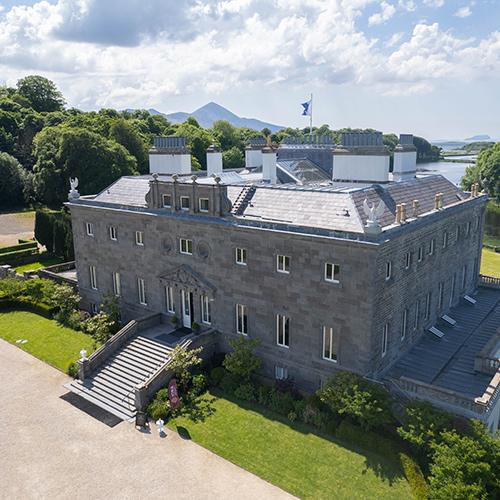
(311, 117)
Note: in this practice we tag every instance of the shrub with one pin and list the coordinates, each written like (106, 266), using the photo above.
(182, 362)
(53, 230)
(414, 477)
(198, 385)
(349, 394)
(242, 362)
(246, 392)
(72, 370)
(264, 395)
(66, 300)
(281, 402)
(160, 406)
(292, 416)
(97, 326)
(229, 383)
(216, 375)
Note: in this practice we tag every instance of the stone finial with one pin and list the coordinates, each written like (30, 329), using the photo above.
(73, 193)
(403, 212)
(415, 207)
(155, 177)
(194, 178)
(175, 177)
(398, 214)
(217, 179)
(440, 200)
(436, 201)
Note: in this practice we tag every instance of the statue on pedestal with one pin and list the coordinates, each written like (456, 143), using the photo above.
(373, 214)
(73, 193)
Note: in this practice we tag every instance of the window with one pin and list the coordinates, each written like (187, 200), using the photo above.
(404, 324)
(467, 229)
(464, 277)
(445, 239)
(432, 244)
(420, 255)
(203, 204)
(139, 238)
(169, 299)
(93, 277)
(89, 227)
(94, 308)
(206, 316)
(141, 291)
(427, 305)
(112, 233)
(117, 285)
(185, 203)
(332, 272)
(440, 295)
(407, 260)
(282, 330)
(476, 223)
(280, 373)
(166, 200)
(385, 339)
(241, 256)
(452, 291)
(186, 246)
(328, 346)
(241, 319)
(283, 264)
(388, 270)
(417, 314)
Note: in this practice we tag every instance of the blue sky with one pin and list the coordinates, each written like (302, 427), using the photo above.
(431, 67)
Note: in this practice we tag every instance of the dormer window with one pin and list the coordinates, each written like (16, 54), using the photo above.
(204, 204)
(185, 203)
(166, 200)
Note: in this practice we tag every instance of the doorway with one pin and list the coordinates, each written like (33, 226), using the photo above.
(187, 308)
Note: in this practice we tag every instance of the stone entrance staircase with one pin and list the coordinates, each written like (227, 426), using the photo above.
(111, 386)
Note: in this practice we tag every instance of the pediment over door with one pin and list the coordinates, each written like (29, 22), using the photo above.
(185, 277)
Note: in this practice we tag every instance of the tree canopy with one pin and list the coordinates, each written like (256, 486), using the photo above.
(41, 93)
(485, 172)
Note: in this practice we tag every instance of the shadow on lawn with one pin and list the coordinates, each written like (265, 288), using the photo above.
(383, 459)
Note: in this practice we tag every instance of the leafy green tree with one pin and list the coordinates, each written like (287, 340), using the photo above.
(486, 172)
(460, 469)
(422, 426)
(233, 158)
(348, 394)
(12, 182)
(63, 152)
(125, 134)
(198, 140)
(227, 135)
(66, 300)
(41, 93)
(182, 362)
(242, 361)
(99, 327)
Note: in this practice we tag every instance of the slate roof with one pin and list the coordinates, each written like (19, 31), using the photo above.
(304, 170)
(448, 362)
(322, 205)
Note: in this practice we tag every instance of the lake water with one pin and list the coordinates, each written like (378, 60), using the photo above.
(452, 171)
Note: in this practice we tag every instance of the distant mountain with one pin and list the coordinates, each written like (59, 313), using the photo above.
(476, 138)
(208, 114)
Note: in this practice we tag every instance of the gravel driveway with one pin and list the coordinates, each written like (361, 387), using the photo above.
(52, 450)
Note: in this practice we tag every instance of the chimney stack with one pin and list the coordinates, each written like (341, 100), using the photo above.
(415, 206)
(253, 152)
(169, 155)
(403, 212)
(214, 161)
(405, 159)
(269, 165)
(398, 214)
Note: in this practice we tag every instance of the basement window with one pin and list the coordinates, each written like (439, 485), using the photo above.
(166, 200)
(204, 204)
(185, 203)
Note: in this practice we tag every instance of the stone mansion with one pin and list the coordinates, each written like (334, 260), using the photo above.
(320, 251)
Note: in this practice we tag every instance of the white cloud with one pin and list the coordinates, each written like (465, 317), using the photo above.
(463, 12)
(408, 5)
(434, 3)
(387, 10)
(229, 44)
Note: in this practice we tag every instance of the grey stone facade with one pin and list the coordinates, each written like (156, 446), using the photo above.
(357, 308)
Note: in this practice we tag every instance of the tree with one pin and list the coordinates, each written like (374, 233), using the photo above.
(125, 134)
(460, 469)
(227, 135)
(198, 139)
(99, 327)
(41, 93)
(422, 426)
(12, 181)
(66, 300)
(242, 362)
(486, 172)
(182, 362)
(63, 152)
(348, 394)
(233, 158)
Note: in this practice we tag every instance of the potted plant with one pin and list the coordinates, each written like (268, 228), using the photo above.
(174, 319)
(195, 326)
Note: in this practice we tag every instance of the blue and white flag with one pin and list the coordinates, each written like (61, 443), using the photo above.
(307, 108)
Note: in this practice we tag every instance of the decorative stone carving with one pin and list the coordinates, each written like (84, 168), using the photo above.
(373, 214)
(73, 193)
(203, 249)
(167, 244)
(187, 278)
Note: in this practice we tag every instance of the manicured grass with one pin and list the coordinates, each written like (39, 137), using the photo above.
(491, 240)
(47, 340)
(292, 456)
(43, 261)
(490, 263)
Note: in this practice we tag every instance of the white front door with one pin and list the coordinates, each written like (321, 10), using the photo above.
(186, 308)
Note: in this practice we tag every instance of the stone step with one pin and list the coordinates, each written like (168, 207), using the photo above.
(112, 378)
(117, 410)
(140, 370)
(140, 358)
(153, 354)
(109, 395)
(152, 344)
(113, 385)
(123, 374)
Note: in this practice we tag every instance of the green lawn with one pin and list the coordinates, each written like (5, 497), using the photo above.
(43, 261)
(47, 340)
(490, 263)
(292, 456)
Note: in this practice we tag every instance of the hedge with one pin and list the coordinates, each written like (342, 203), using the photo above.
(20, 246)
(414, 476)
(492, 219)
(19, 256)
(26, 305)
(53, 230)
